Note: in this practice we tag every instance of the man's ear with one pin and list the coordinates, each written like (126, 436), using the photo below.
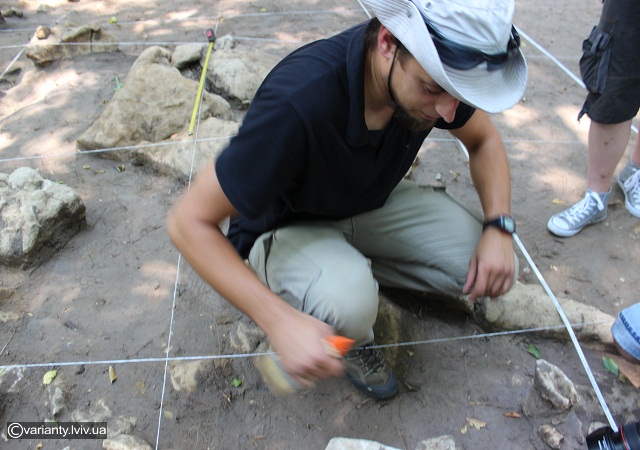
(386, 42)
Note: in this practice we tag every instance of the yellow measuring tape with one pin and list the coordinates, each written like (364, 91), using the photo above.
(211, 37)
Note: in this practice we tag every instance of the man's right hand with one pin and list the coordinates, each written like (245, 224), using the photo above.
(299, 342)
(297, 337)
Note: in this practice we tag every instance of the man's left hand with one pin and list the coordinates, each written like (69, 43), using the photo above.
(492, 266)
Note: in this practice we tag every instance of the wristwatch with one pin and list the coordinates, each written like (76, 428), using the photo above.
(504, 222)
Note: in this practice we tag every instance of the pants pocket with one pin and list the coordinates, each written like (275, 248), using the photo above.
(594, 63)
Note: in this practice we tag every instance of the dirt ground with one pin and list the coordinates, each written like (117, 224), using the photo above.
(107, 298)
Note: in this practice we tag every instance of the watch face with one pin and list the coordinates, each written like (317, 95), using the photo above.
(509, 225)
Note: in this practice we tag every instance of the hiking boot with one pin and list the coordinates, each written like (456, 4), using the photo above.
(629, 181)
(591, 209)
(369, 372)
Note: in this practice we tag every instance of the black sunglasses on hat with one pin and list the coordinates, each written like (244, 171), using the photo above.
(462, 57)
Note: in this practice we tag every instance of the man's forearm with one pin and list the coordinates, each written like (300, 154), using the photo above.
(490, 174)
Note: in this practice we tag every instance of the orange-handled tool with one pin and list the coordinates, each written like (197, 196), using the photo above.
(338, 346)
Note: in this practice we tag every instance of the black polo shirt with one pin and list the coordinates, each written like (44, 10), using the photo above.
(304, 151)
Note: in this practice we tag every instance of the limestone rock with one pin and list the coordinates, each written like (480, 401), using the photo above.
(186, 54)
(186, 156)
(246, 338)
(184, 376)
(554, 385)
(38, 217)
(43, 32)
(98, 412)
(552, 392)
(239, 70)
(69, 31)
(121, 425)
(11, 380)
(155, 102)
(440, 443)
(339, 443)
(126, 442)
(552, 437)
(529, 306)
(9, 316)
(13, 11)
(58, 398)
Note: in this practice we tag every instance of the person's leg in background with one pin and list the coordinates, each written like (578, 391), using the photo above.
(611, 73)
(607, 144)
(629, 182)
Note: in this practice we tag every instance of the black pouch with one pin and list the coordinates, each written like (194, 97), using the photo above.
(594, 63)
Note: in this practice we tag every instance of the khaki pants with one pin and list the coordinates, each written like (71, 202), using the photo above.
(421, 239)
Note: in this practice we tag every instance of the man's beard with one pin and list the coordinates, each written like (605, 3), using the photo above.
(400, 112)
(405, 119)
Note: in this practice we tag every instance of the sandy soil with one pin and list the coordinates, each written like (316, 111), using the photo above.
(108, 295)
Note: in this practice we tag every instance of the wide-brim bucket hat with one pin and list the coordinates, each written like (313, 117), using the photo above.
(626, 330)
(482, 25)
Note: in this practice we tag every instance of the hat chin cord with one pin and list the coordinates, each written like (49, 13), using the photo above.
(393, 62)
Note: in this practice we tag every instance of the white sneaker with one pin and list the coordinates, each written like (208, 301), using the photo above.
(592, 209)
(629, 181)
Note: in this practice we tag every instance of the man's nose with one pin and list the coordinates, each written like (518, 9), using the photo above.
(446, 106)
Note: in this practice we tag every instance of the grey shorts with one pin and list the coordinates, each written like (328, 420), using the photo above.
(610, 64)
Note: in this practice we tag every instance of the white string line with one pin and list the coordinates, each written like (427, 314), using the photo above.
(167, 359)
(200, 18)
(142, 43)
(13, 61)
(573, 76)
(364, 8)
(543, 282)
(112, 149)
(250, 355)
(215, 18)
(145, 43)
(572, 335)
(576, 344)
(550, 56)
(223, 138)
(15, 58)
(200, 96)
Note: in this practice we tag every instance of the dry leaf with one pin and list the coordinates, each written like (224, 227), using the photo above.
(630, 370)
(49, 376)
(464, 430)
(475, 423)
(112, 374)
(557, 201)
(513, 414)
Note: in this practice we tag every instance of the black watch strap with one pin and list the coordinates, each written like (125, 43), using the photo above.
(504, 223)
